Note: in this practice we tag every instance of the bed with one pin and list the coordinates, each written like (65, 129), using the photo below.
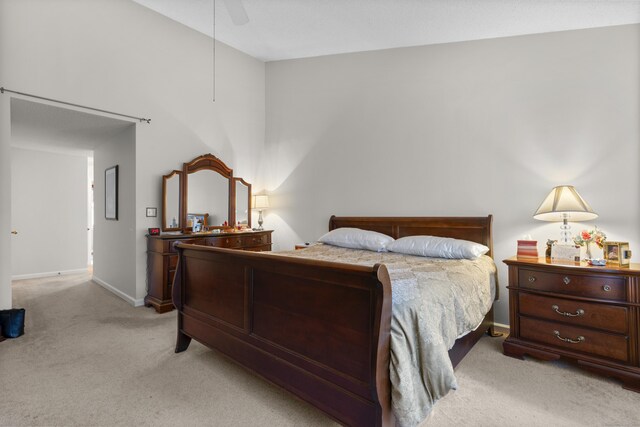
(335, 349)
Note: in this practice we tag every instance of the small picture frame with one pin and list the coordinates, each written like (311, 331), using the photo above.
(197, 221)
(152, 212)
(617, 253)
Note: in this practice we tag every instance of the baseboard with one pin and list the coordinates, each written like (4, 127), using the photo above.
(501, 327)
(134, 302)
(47, 274)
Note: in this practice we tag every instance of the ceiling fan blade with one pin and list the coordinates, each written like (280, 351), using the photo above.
(236, 11)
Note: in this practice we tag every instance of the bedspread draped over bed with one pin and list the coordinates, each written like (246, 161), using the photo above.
(435, 301)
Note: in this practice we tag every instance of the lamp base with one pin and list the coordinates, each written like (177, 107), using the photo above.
(260, 221)
(565, 233)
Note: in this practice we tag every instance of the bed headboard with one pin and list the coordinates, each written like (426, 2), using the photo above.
(475, 229)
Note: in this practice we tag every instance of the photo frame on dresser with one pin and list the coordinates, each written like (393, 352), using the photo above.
(111, 193)
(617, 253)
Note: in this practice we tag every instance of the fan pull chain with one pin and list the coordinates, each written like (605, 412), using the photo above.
(214, 50)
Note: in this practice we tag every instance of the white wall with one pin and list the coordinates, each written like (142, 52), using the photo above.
(49, 211)
(5, 195)
(115, 241)
(120, 56)
(458, 129)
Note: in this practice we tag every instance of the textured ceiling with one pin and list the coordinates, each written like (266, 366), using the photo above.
(285, 29)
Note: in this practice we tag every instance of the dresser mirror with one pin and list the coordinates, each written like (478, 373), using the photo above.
(171, 201)
(243, 201)
(208, 194)
(208, 191)
(203, 196)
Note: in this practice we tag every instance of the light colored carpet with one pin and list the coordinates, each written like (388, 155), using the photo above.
(88, 358)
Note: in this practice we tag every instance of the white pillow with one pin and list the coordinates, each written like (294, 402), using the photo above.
(438, 247)
(356, 238)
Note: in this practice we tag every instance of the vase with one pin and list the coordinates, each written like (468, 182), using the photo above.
(588, 255)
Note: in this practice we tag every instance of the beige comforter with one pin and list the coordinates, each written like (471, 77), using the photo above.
(435, 301)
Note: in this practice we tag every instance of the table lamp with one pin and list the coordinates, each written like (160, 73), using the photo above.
(564, 204)
(260, 202)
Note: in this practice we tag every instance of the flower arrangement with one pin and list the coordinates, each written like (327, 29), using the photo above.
(586, 237)
(591, 236)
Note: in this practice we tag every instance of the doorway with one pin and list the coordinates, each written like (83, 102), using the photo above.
(52, 188)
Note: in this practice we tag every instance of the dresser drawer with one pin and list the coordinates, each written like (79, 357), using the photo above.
(225, 242)
(584, 340)
(592, 315)
(262, 248)
(256, 240)
(603, 287)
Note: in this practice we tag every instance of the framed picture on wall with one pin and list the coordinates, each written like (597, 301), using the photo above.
(111, 193)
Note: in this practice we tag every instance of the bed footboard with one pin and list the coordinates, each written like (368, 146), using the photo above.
(319, 330)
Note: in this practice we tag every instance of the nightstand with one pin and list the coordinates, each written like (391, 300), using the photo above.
(590, 315)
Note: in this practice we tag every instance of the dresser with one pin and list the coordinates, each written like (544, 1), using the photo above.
(590, 315)
(162, 258)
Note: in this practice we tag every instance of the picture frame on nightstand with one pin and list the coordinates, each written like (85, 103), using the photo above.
(617, 253)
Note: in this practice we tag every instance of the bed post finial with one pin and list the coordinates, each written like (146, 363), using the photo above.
(331, 222)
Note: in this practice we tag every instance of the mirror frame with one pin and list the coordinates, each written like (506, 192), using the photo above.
(207, 162)
(165, 178)
(248, 201)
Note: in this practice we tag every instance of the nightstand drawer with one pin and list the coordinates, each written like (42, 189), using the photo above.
(602, 287)
(576, 339)
(601, 316)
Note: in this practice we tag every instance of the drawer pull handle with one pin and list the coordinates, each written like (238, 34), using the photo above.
(606, 288)
(569, 340)
(532, 279)
(566, 280)
(579, 312)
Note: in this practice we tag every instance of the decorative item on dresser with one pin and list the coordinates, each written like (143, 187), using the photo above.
(590, 315)
(617, 253)
(527, 249)
(587, 237)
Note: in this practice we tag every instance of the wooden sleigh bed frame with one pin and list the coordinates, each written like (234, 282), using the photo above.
(317, 329)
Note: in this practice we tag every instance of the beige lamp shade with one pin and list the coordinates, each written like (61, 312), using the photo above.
(260, 202)
(564, 203)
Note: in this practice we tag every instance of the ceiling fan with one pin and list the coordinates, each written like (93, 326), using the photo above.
(236, 11)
